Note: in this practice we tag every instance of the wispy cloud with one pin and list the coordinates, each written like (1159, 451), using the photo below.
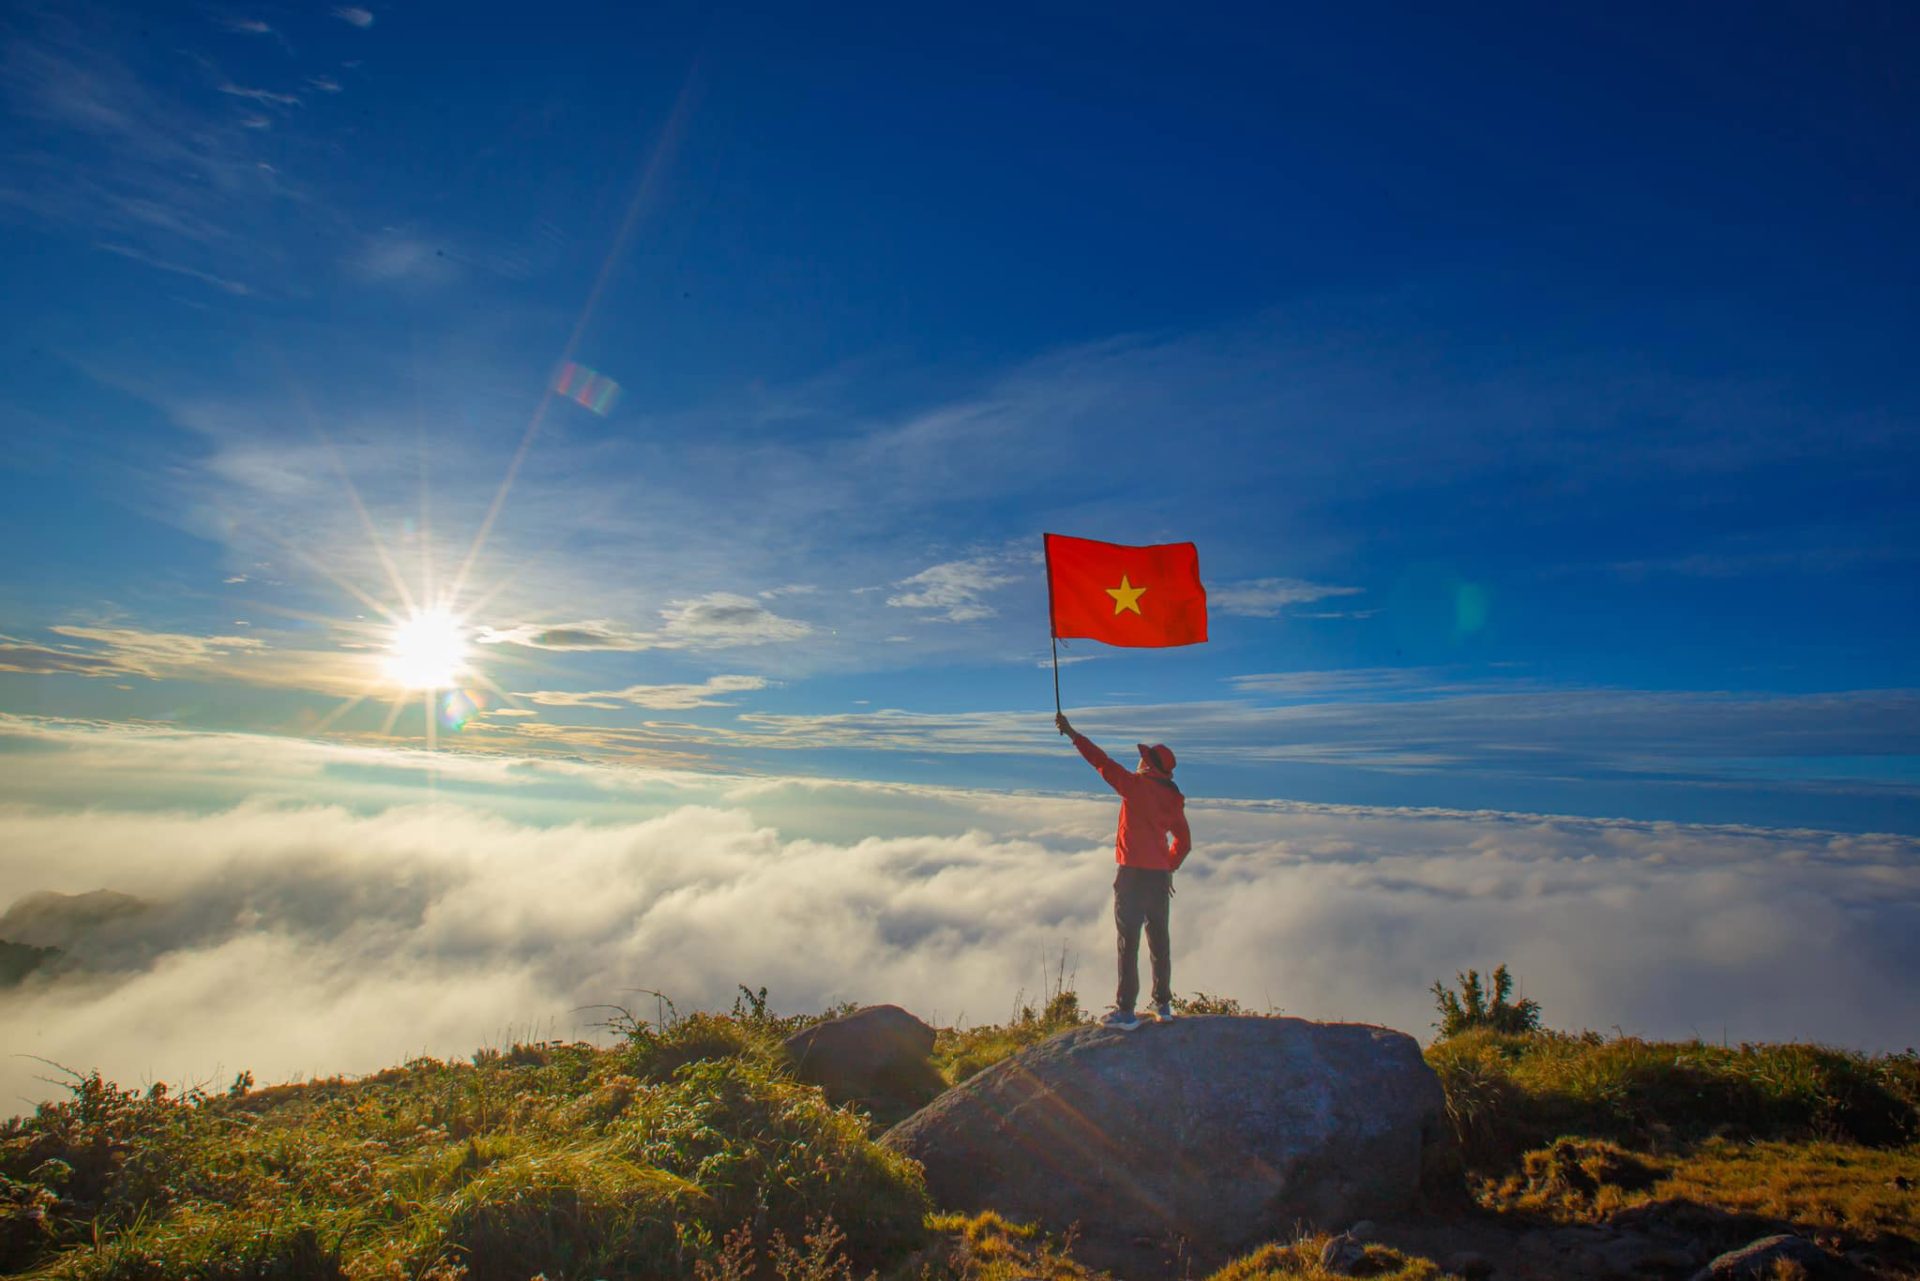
(121, 651)
(583, 636)
(721, 619)
(263, 96)
(235, 287)
(717, 620)
(1268, 597)
(106, 143)
(956, 590)
(354, 15)
(1347, 682)
(676, 697)
(393, 255)
(1822, 556)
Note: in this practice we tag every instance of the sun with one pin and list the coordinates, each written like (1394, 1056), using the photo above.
(428, 650)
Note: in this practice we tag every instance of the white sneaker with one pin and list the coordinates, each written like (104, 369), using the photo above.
(1125, 1020)
(1164, 1013)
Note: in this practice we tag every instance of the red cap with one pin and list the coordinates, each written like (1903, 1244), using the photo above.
(1158, 755)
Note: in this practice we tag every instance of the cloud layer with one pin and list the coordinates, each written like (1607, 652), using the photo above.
(291, 938)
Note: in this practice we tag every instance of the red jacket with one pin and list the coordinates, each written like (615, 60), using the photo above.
(1151, 810)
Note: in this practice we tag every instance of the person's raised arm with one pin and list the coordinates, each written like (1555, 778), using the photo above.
(1115, 776)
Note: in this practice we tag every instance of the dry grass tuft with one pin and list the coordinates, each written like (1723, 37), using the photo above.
(1300, 1261)
(986, 1247)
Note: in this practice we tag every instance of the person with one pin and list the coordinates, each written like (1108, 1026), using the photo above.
(1151, 843)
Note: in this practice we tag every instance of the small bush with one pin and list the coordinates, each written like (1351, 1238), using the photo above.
(1471, 1009)
(578, 1212)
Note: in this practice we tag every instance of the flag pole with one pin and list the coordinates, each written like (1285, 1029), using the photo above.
(1056, 677)
(1053, 621)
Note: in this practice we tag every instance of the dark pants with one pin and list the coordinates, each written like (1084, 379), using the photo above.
(1141, 897)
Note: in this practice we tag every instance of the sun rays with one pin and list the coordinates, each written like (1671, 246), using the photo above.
(422, 634)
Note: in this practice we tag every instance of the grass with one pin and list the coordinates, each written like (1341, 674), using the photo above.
(961, 1053)
(1719, 1143)
(1508, 1093)
(563, 1159)
(1835, 1189)
(687, 1150)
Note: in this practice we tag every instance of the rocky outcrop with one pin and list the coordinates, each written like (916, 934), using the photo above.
(876, 1057)
(49, 919)
(1216, 1133)
(1762, 1258)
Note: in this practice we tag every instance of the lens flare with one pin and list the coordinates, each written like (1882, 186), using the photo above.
(587, 388)
(458, 707)
(427, 651)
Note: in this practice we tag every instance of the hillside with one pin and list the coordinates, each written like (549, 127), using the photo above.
(687, 1150)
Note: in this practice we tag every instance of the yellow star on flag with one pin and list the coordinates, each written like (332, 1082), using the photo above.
(1126, 596)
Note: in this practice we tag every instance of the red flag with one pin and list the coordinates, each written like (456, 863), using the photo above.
(1138, 596)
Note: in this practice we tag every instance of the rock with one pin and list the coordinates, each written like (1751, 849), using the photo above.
(1756, 1259)
(876, 1056)
(1537, 1241)
(18, 960)
(1469, 1264)
(1633, 1254)
(1364, 1230)
(1220, 1131)
(1342, 1255)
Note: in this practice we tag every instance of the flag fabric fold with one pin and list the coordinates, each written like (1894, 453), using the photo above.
(1120, 595)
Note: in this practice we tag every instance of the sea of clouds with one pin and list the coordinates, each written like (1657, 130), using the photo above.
(332, 920)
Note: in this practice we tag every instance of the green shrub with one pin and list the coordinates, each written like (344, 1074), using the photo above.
(104, 1153)
(772, 1153)
(1471, 1008)
(697, 1038)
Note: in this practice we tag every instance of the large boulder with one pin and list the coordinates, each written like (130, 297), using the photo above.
(876, 1057)
(1212, 1134)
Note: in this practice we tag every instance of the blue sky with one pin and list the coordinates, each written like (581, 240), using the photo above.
(1537, 388)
